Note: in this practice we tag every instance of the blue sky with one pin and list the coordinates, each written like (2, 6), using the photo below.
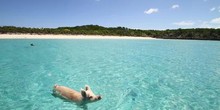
(141, 14)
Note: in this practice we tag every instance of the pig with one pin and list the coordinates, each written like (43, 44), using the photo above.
(82, 97)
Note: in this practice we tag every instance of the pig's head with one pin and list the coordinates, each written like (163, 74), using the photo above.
(88, 95)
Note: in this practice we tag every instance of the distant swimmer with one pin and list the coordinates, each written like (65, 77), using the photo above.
(32, 44)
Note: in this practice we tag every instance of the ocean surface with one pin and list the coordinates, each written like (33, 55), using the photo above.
(129, 74)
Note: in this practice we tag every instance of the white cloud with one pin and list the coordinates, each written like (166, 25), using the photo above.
(213, 23)
(212, 9)
(151, 10)
(204, 24)
(175, 6)
(184, 23)
(215, 9)
(215, 20)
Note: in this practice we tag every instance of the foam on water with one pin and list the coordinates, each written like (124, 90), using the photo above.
(129, 74)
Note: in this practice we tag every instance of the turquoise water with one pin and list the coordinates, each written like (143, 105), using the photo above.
(129, 74)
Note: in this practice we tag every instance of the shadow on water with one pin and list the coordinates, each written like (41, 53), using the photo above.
(132, 94)
(127, 99)
(80, 105)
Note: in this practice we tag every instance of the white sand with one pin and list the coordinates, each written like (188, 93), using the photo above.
(28, 36)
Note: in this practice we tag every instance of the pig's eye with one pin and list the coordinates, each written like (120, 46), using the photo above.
(90, 97)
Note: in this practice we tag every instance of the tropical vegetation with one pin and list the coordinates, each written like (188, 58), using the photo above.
(197, 33)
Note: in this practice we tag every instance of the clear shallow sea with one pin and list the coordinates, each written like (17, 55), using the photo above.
(129, 74)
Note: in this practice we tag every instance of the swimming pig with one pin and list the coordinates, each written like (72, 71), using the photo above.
(84, 96)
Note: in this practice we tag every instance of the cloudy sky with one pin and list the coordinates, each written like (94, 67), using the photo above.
(141, 14)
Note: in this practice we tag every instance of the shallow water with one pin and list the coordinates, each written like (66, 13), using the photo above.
(129, 74)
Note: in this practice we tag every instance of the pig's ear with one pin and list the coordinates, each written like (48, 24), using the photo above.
(87, 87)
(83, 93)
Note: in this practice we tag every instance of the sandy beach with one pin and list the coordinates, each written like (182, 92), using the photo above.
(29, 36)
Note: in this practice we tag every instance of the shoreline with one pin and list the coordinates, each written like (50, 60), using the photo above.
(51, 36)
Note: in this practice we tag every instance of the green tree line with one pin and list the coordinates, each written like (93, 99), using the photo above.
(198, 33)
